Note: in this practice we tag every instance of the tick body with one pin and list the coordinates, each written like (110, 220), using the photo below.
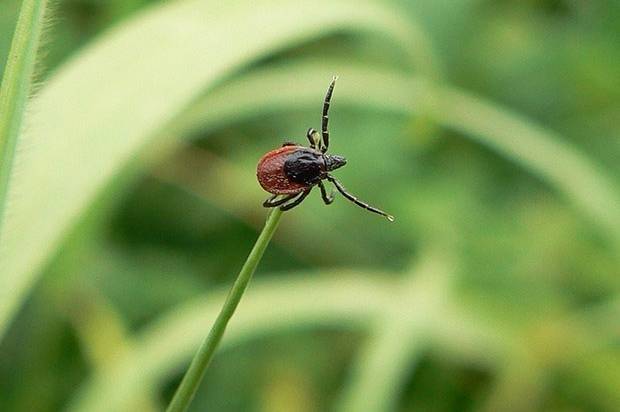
(292, 170)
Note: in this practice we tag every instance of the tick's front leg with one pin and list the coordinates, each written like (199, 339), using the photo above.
(296, 202)
(272, 202)
(328, 199)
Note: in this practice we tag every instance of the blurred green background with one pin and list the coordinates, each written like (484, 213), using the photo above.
(489, 128)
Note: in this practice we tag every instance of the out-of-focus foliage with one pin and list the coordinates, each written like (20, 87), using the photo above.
(488, 128)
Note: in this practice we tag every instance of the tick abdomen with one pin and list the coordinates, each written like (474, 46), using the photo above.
(271, 175)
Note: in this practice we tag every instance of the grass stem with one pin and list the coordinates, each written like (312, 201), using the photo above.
(187, 389)
(16, 86)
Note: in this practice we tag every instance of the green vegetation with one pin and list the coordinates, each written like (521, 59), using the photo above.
(16, 85)
(488, 128)
(190, 383)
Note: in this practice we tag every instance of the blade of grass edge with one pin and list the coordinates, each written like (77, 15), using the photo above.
(16, 86)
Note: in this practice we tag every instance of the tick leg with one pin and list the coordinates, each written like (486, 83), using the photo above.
(325, 118)
(272, 202)
(296, 202)
(328, 199)
(314, 138)
(355, 200)
(287, 143)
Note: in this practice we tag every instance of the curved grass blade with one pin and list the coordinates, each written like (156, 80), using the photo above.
(348, 300)
(399, 339)
(103, 335)
(16, 86)
(542, 152)
(103, 111)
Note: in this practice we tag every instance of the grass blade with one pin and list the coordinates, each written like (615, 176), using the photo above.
(16, 86)
(349, 300)
(102, 112)
(353, 300)
(399, 338)
(540, 151)
(189, 385)
(103, 336)
(543, 152)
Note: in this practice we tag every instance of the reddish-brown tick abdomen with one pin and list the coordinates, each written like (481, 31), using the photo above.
(270, 172)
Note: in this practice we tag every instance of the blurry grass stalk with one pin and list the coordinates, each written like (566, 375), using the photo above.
(399, 337)
(187, 389)
(104, 337)
(16, 85)
(540, 151)
(141, 109)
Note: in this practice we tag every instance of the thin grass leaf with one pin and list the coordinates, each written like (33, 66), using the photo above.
(102, 112)
(16, 86)
(349, 301)
(541, 152)
(186, 390)
(399, 339)
(103, 335)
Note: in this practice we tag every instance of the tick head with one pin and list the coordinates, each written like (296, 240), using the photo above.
(333, 162)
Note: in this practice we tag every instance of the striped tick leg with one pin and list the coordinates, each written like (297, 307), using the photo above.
(272, 202)
(297, 201)
(328, 199)
(325, 118)
(355, 200)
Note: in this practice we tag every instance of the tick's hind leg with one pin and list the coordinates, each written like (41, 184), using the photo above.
(272, 202)
(297, 201)
(328, 199)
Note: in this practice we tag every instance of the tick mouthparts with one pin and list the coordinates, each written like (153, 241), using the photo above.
(334, 162)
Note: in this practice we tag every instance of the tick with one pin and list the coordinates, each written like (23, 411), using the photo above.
(293, 170)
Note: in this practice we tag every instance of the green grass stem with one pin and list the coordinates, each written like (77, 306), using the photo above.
(16, 86)
(187, 389)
